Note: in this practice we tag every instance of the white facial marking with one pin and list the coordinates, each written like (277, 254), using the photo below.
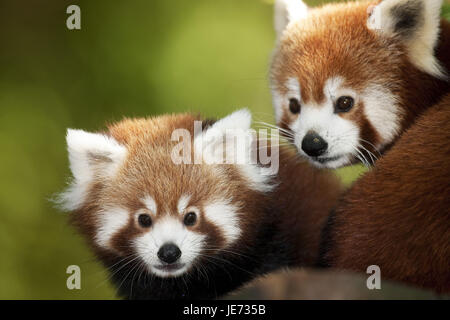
(382, 111)
(341, 135)
(224, 215)
(150, 204)
(293, 87)
(169, 230)
(110, 221)
(279, 100)
(183, 203)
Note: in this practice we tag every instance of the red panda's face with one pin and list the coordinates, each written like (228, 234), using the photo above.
(167, 216)
(338, 81)
(134, 202)
(342, 123)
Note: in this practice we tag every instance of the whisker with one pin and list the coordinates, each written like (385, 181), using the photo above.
(135, 256)
(271, 116)
(361, 157)
(371, 155)
(273, 126)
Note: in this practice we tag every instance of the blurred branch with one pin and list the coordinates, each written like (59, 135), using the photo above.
(328, 285)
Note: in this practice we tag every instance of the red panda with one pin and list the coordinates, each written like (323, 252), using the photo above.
(363, 80)
(169, 230)
(349, 78)
(397, 216)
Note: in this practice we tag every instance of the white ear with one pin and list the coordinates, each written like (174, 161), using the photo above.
(232, 141)
(240, 119)
(218, 142)
(287, 11)
(91, 156)
(416, 23)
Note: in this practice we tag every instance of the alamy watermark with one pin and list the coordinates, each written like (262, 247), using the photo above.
(231, 146)
(374, 281)
(73, 21)
(74, 280)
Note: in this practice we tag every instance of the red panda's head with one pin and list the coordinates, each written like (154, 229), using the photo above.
(342, 75)
(133, 201)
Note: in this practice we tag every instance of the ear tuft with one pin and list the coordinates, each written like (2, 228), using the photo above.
(240, 119)
(414, 22)
(91, 156)
(287, 11)
(232, 141)
(93, 153)
(218, 143)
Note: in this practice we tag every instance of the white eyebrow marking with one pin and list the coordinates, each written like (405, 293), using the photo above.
(183, 203)
(332, 85)
(111, 220)
(334, 88)
(150, 203)
(293, 87)
(223, 214)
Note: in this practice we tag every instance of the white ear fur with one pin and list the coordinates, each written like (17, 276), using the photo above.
(91, 156)
(287, 11)
(219, 138)
(416, 22)
(231, 138)
(240, 119)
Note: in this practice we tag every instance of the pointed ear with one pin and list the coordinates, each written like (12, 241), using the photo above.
(93, 155)
(232, 141)
(240, 119)
(287, 11)
(218, 142)
(414, 22)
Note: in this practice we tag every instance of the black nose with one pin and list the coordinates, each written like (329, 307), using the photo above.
(169, 253)
(313, 144)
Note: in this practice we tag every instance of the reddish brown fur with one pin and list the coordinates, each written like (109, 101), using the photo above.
(397, 216)
(149, 169)
(334, 41)
(303, 200)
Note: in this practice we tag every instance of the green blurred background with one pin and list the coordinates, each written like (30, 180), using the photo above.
(131, 58)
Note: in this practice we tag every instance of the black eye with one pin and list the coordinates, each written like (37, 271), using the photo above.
(190, 218)
(294, 106)
(145, 220)
(344, 104)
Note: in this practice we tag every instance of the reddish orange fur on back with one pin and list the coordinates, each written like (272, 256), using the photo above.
(397, 216)
(303, 201)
